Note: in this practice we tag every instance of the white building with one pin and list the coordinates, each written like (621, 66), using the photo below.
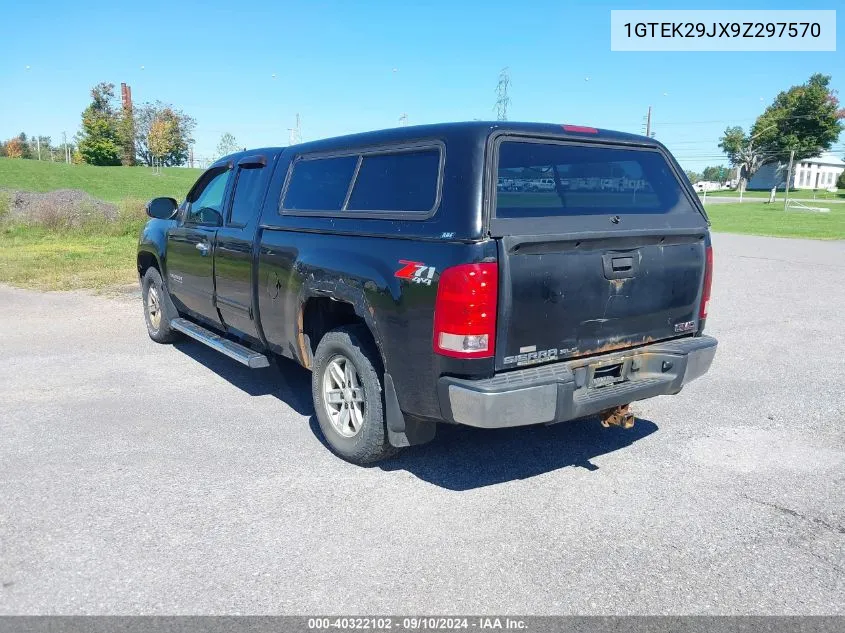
(811, 173)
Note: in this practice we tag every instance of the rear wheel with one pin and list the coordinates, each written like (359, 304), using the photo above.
(347, 391)
(157, 311)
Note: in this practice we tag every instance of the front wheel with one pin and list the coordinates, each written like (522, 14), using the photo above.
(156, 308)
(347, 392)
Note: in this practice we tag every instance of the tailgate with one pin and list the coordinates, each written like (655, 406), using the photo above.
(610, 255)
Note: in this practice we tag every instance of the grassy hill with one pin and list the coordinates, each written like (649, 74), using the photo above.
(112, 184)
(96, 255)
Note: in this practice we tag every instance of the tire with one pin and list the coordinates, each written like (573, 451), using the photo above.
(351, 416)
(158, 310)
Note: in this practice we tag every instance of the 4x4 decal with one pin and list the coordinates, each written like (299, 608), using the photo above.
(416, 272)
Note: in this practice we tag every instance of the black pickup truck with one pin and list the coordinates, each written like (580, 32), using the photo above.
(488, 274)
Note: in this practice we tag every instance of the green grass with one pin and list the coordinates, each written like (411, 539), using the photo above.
(806, 194)
(32, 257)
(760, 218)
(111, 184)
(98, 255)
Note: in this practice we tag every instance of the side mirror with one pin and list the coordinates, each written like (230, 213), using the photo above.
(162, 208)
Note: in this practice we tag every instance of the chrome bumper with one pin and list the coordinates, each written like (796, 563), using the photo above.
(565, 391)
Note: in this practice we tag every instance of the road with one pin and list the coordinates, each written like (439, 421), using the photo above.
(141, 478)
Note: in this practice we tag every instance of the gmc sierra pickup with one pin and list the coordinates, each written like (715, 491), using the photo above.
(488, 274)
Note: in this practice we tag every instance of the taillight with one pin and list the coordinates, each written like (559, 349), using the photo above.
(580, 128)
(708, 283)
(465, 311)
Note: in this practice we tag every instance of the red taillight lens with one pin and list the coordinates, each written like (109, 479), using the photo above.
(708, 283)
(465, 311)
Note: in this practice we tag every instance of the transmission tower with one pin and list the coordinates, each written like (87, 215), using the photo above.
(403, 120)
(502, 98)
(295, 133)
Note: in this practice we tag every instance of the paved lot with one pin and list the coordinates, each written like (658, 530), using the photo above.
(140, 478)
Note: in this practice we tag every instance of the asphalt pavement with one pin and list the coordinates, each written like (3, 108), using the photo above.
(143, 478)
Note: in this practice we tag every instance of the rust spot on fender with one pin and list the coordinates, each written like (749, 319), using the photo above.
(304, 352)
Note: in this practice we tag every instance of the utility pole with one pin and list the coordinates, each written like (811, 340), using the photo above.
(67, 153)
(38, 145)
(502, 98)
(788, 178)
(191, 157)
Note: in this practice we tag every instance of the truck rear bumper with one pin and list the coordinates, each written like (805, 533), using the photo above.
(577, 388)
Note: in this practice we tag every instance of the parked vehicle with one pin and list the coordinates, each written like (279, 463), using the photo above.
(417, 292)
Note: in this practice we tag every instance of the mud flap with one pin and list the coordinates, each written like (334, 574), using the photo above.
(402, 431)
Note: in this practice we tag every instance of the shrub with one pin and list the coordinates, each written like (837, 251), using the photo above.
(4, 205)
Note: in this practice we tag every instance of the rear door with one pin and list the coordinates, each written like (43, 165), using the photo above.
(611, 256)
(233, 261)
(190, 245)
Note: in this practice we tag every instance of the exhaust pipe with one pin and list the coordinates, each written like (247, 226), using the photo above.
(618, 416)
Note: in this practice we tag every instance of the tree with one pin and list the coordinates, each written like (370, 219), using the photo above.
(37, 144)
(160, 138)
(840, 182)
(99, 141)
(179, 126)
(805, 119)
(63, 149)
(741, 153)
(715, 174)
(25, 146)
(694, 177)
(14, 148)
(227, 145)
(126, 134)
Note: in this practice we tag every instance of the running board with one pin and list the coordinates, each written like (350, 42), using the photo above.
(244, 355)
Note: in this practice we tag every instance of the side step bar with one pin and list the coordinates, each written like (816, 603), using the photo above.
(244, 355)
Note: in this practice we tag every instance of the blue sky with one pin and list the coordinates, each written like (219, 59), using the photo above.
(334, 64)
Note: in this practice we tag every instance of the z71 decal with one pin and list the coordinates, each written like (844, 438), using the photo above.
(687, 326)
(416, 272)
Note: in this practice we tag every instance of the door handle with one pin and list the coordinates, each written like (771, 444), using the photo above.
(202, 247)
(620, 265)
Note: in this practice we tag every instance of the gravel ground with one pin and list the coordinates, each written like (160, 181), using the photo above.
(140, 478)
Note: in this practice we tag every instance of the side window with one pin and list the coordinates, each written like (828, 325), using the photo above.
(319, 183)
(205, 204)
(403, 181)
(249, 186)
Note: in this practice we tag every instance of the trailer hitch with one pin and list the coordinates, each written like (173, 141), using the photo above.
(618, 416)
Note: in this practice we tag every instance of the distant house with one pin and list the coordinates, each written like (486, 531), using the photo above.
(811, 173)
